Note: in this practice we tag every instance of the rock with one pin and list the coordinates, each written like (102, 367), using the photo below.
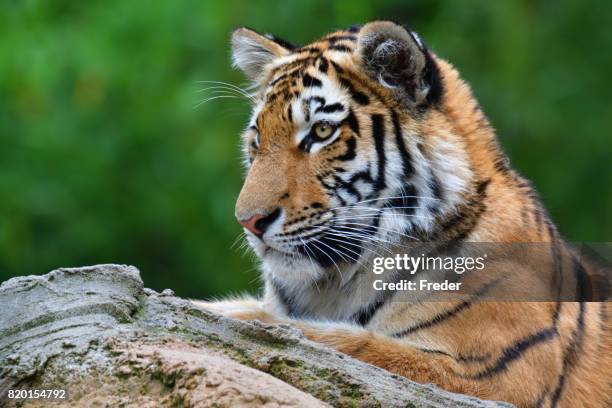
(99, 334)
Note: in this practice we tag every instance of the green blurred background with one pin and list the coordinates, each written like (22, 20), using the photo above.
(103, 157)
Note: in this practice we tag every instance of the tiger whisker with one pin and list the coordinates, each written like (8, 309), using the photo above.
(238, 239)
(348, 249)
(325, 229)
(375, 243)
(214, 89)
(385, 198)
(308, 252)
(360, 246)
(245, 249)
(366, 208)
(223, 91)
(382, 208)
(373, 240)
(369, 216)
(333, 249)
(330, 258)
(235, 87)
(214, 97)
(223, 83)
(221, 87)
(334, 228)
(384, 229)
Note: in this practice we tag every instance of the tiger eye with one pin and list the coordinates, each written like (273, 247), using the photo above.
(323, 130)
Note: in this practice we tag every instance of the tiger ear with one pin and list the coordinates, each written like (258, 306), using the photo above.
(399, 60)
(252, 52)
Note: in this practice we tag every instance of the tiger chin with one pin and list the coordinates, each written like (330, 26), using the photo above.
(364, 143)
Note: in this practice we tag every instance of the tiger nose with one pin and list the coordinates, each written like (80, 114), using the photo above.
(259, 223)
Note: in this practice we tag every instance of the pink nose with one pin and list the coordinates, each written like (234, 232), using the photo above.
(250, 224)
(259, 223)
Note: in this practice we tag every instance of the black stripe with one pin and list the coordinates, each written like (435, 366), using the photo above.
(316, 98)
(556, 313)
(365, 315)
(350, 153)
(310, 81)
(407, 166)
(352, 121)
(515, 351)
(310, 50)
(466, 219)
(482, 187)
(431, 75)
(364, 176)
(556, 259)
(295, 67)
(306, 143)
(348, 187)
(378, 133)
(359, 97)
(283, 43)
(323, 65)
(583, 290)
(555, 320)
(457, 219)
(336, 38)
(278, 79)
(337, 67)
(441, 317)
(334, 107)
(341, 48)
(460, 358)
(570, 356)
(502, 164)
(284, 298)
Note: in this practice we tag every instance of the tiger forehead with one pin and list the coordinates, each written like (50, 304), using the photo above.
(293, 72)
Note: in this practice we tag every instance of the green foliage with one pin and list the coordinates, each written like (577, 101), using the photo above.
(104, 158)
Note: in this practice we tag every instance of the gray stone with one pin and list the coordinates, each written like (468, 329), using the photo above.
(97, 332)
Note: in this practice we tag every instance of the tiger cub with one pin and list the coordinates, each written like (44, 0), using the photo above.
(365, 143)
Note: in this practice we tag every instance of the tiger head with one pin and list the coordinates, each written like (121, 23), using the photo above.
(350, 148)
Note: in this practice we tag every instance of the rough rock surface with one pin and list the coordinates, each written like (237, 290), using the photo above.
(110, 342)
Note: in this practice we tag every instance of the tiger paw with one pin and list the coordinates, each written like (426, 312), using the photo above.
(244, 309)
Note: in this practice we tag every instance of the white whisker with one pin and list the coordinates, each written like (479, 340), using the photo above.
(385, 198)
(235, 87)
(370, 216)
(330, 258)
(214, 97)
(377, 241)
(384, 229)
(348, 249)
(238, 239)
(365, 248)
